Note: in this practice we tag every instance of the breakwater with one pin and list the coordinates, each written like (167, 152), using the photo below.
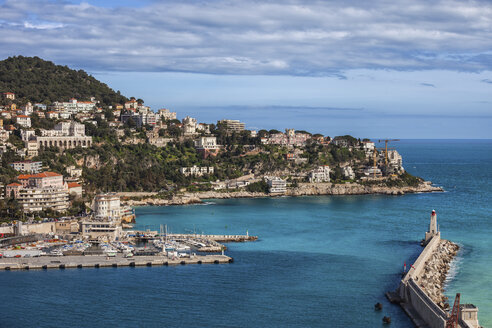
(420, 292)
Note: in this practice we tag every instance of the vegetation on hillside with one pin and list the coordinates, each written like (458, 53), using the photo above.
(40, 81)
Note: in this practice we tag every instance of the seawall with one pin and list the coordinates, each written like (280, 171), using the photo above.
(420, 292)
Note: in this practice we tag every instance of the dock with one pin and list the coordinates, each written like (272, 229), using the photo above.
(201, 242)
(68, 262)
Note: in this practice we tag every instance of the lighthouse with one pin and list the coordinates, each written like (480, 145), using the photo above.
(433, 229)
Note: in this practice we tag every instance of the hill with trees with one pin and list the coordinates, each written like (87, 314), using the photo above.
(40, 81)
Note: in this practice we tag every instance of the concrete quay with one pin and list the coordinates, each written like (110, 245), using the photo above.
(67, 262)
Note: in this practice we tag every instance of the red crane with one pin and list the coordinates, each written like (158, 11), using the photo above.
(455, 313)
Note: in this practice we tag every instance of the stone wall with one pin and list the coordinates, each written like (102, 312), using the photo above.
(413, 298)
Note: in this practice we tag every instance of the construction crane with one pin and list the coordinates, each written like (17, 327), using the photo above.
(455, 313)
(386, 149)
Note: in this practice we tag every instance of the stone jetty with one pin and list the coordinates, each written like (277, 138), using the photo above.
(420, 292)
(435, 271)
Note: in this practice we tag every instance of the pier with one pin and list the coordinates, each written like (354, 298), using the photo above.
(200, 242)
(68, 262)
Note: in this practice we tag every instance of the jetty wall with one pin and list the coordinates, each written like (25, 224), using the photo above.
(418, 305)
(420, 292)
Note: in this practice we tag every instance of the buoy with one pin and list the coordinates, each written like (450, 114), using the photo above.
(387, 320)
(183, 262)
(378, 306)
(199, 262)
(79, 266)
(115, 265)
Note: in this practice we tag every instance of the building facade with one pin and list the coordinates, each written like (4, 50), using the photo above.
(74, 106)
(276, 185)
(231, 125)
(166, 114)
(107, 207)
(27, 166)
(320, 174)
(196, 171)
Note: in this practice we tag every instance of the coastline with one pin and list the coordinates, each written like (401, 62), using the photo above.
(304, 189)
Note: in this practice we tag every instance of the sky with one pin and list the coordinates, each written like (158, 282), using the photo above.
(379, 69)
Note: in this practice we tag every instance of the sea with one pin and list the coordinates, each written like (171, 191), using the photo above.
(320, 261)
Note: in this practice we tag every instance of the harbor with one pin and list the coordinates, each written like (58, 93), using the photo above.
(133, 249)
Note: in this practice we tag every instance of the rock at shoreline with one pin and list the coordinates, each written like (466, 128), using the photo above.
(435, 271)
(304, 189)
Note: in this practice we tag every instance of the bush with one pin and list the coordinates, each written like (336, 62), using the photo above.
(259, 186)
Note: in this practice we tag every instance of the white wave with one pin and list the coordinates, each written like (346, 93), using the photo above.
(454, 267)
(206, 203)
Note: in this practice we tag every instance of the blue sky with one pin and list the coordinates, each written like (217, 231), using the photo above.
(400, 68)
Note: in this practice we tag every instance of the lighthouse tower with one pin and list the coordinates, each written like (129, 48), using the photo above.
(433, 229)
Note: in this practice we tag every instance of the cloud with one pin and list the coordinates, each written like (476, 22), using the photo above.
(487, 81)
(252, 37)
(428, 85)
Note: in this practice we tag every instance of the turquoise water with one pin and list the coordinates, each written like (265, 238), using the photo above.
(320, 261)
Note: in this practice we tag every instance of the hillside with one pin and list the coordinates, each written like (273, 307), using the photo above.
(40, 81)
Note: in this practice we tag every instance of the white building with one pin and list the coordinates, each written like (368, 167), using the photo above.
(42, 191)
(348, 173)
(372, 171)
(9, 95)
(132, 104)
(368, 146)
(196, 171)
(276, 185)
(27, 166)
(231, 125)
(39, 199)
(74, 106)
(23, 120)
(73, 171)
(189, 126)
(165, 114)
(320, 174)
(209, 143)
(66, 135)
(28, 109)
(107, 207)
(32, 148)
(101, 229)
(70, 128)
(395, 160)
(27, 135)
